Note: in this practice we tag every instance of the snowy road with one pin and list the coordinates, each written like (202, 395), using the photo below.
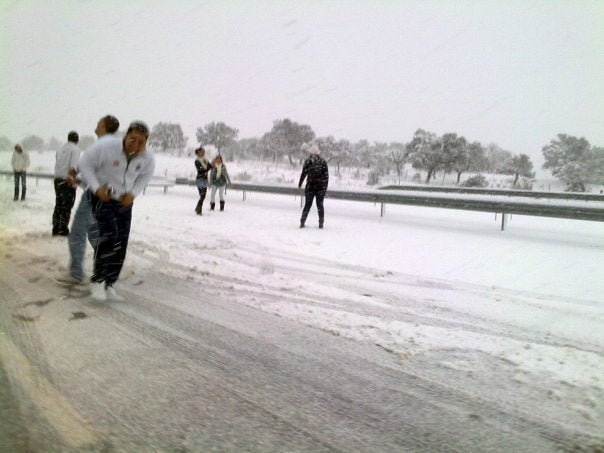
(157, 374)
(228, 341)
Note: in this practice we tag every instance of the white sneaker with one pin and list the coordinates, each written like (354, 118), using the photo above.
(97, 291)
(111, 294)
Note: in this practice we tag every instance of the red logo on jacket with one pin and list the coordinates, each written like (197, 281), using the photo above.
(116, 163)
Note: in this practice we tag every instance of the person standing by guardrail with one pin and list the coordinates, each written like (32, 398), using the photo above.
(316, 173)
(203, 168)
(219, 178)
(65, 193)
(20, 164)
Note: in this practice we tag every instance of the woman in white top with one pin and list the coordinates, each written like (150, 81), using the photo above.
(219, 178)
(20, 163)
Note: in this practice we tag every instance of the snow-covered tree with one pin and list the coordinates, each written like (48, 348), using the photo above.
(470, 157)
(33, 142)
(425, 152)
(53, 144)
(396, 156)
(498, 159)
(167, 136)
(218, 134)
(522, 166)
(573, 161)
(5, 144)
(455, 154)
(287, 138)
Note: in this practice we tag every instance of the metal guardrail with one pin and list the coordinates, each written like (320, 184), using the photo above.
(502, 192)
(494, 206)
(560, 211)
(30, 174)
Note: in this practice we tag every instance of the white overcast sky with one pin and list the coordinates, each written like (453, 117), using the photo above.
(511, 72)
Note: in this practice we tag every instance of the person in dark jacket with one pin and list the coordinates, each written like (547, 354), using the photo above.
(317, 179)
(203, 172)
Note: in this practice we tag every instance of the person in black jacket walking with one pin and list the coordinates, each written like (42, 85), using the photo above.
(203, 171)
(317, 179)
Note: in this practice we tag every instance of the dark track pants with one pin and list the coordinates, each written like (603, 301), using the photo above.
(64, 200)
(114, 230)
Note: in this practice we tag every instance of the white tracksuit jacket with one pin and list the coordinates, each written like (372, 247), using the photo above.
(105, 163)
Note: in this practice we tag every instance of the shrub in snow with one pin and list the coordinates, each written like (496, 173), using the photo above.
(575, 186)
(243, 176)
(475, 181)
(523, 184)
(373, 178)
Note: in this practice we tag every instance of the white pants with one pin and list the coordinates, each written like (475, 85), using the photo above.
(220, 193)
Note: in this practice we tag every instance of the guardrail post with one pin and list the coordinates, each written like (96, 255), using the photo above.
(503, 221)
(243, 194)
(382, 209)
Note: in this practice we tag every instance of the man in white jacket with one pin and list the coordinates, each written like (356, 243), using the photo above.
(65, 193)
(116, 173)
(20, 164)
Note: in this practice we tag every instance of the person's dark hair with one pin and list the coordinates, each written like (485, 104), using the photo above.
(73, 137)
(111, 123)
(201, 148)
(138, 126)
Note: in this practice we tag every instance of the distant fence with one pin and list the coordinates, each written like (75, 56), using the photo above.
(561, 211)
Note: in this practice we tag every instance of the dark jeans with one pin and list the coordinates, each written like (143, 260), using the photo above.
(20, 175)
(64, 199)
(202, 196)
(311, 194)
(114, 230)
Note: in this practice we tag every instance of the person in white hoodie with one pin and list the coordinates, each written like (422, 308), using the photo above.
(20, 164)
(116, 173)
(65, 193)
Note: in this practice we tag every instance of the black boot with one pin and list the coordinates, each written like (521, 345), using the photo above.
(222, 205)
(198, 207)
(212, 204)
(320, 223)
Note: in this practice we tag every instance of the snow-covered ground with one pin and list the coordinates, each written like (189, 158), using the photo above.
(417, 281)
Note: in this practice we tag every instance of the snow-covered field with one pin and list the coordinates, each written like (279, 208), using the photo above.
(418, 282)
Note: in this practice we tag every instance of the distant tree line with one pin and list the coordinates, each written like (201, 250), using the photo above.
(571, 160)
